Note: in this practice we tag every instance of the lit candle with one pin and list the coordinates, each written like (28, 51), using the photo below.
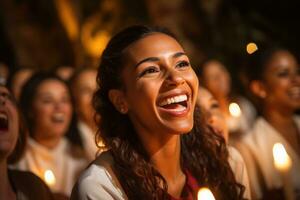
(235, 110)
(205, 194)
(49, 177)
(283, 164)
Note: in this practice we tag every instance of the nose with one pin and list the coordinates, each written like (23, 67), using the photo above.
(173, 77)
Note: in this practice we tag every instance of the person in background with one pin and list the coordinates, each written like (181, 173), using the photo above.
(65, 72)
(274, 80)
(83, 85)
(18, 79)
(47, 105)
(157, 149)
(216, 121)
(4, 73)
(16, 185)
(214, 76)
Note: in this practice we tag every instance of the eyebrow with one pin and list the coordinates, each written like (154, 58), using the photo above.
(155, 59)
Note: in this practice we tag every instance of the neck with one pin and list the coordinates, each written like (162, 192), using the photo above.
(277, 117)
(224, 104)
(166, 159)
(165, 156)
(50, 142)
(6, 191)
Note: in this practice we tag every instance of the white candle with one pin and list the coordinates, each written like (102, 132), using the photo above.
(234, 110)
(205, 194)
(283, 164)
(49, 178)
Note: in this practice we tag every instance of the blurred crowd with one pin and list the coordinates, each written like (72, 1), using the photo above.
(48, 124)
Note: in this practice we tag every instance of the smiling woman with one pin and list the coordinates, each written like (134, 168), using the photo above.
(47, 105)
(15, 184)
(157, 148)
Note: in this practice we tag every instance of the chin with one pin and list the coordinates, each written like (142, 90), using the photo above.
(181, 128)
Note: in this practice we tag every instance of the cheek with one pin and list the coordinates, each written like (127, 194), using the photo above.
(143, 92)
(41, 112)
(68, 110)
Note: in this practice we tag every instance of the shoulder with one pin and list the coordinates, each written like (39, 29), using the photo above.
(98, 181)
(30, 185)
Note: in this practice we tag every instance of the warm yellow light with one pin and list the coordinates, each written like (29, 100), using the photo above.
(49, 177)
(251, 48)
(282, 160)
(205, 194)
(235, 110)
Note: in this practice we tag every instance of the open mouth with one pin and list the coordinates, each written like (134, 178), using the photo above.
(294, 92)
(58, 118)
(3, 122)
(175, 103)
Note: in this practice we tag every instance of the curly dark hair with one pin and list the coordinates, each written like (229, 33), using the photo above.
(203, 153)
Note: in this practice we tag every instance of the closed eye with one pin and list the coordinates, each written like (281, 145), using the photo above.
(215, 105)
(283, 73)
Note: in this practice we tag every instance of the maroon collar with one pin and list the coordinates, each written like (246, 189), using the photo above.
(189, 191)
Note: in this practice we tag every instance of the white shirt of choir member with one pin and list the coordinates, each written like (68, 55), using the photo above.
(64, 166)
(88, 139)
(98, 181)
(239, 169)
(261, 141)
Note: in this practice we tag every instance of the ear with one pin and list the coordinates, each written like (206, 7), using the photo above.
(117, 98)
(258, 88)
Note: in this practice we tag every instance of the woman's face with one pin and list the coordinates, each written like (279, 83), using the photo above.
(52, 109)
(282, 81)
(85, 87)
(160, 86)
(216, 78)
(9, 123)
(212, 112)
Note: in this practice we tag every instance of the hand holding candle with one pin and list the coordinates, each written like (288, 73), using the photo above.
(283, 164)
(205, 194)
(234, 110)
(49, 178)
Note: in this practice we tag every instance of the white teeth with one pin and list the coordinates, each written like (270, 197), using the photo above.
(3, 116)
(295, 91)
(58, 117)
(175, 99)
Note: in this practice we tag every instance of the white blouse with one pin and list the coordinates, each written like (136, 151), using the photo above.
(239, 169)
(260, 142)
(65, 168)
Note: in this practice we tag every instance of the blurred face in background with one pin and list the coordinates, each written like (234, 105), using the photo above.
(216, 79)
(213, 114)
(51, 110)
(65, 72)
(83, 90)
(281, 82)
(19, 79)
(9, 123)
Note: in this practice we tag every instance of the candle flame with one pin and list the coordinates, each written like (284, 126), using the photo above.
(282, 160)
(235, 110)
(205, 194)
(49, 177)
